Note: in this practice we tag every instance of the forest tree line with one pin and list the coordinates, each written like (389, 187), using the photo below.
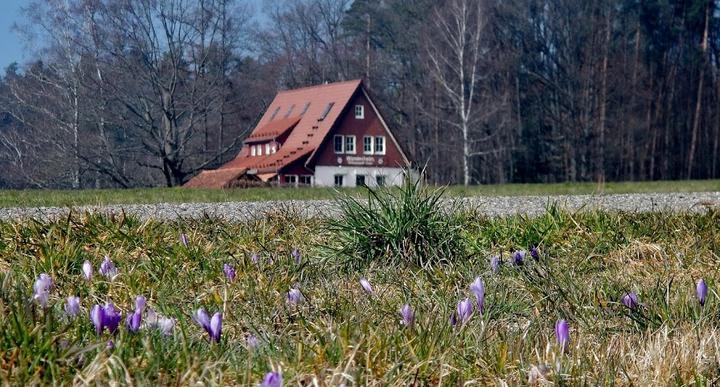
(128, 93)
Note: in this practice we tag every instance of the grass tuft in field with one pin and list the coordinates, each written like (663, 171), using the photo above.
(341, 333)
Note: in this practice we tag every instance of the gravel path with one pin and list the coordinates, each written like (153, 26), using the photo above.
(490, 205)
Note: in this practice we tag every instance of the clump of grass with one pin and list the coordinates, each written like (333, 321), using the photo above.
(397, 225)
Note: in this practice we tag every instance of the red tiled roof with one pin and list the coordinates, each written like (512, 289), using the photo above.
(272, 129)
(308, 129)
(218, 178)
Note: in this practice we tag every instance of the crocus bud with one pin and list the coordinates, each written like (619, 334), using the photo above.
(478, 288)
(255, 258)
(702, 291)
(295, 296)
(272, 379)
(229, 272)
(184, 239)
(630, 300)
(464, 310)
(297, 256)
(41, 289)
(87, 270)
(562, 334)
(535, 253)
(408, 315)
(72, 307)
(108, 269)
(495, 264)
(216, 327)
(519, 257)
(366, 285)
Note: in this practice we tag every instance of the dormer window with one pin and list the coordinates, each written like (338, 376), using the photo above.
(326, 111)
(305, 109)
(359, 112)
(289, 111)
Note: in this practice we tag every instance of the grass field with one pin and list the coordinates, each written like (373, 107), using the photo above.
(341, 334)
(63, 198)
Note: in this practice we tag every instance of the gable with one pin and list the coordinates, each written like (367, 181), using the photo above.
(371, 125)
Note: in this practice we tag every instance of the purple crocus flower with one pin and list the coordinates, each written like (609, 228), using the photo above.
(464, 310)
(495, 263)
(229, 272)
(255, 258)
(295, 296)
(184, 239)
(630, 300)
(535, 253)
(408, 315)
(42, 288)
(216, 327)
(133, 321)
(108, 269)
(272, 379)
(519, 257)
(366, 285)
(296, 256)
(478, 288)
(164, 324)
(105, 317)
(562, 334)
(702, 291)
(72, 307)
(87, 270)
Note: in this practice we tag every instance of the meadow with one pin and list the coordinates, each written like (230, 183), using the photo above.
(65, 198)
(318, 301)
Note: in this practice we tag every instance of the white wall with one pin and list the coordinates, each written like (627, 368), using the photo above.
(325, 176)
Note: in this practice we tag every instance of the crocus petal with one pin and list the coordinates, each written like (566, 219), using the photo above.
(184, 239)
(133, 321)
(252, 341)
(97, 318)
(295, 296)
(272, 379)
(229, 272)
(495, 264)
(519, 257)
(140, 302)
(202, 318)
(216, 327)
(630, 300)
(112, 317)
(297, 256)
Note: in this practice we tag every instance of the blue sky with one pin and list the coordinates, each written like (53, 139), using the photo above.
(11, 47)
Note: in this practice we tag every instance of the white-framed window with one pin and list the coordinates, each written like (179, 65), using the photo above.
(339, 143)
(368, 145)
(305, 180)
(339, 180)
(359, 112)
(380, 180)
(291, 180)
(253, 152)
(350, 144)
(380, 145)
(267, 148)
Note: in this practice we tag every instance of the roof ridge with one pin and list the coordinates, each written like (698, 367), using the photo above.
(358, 80)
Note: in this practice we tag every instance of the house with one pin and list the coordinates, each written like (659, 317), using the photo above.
(325, 135)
